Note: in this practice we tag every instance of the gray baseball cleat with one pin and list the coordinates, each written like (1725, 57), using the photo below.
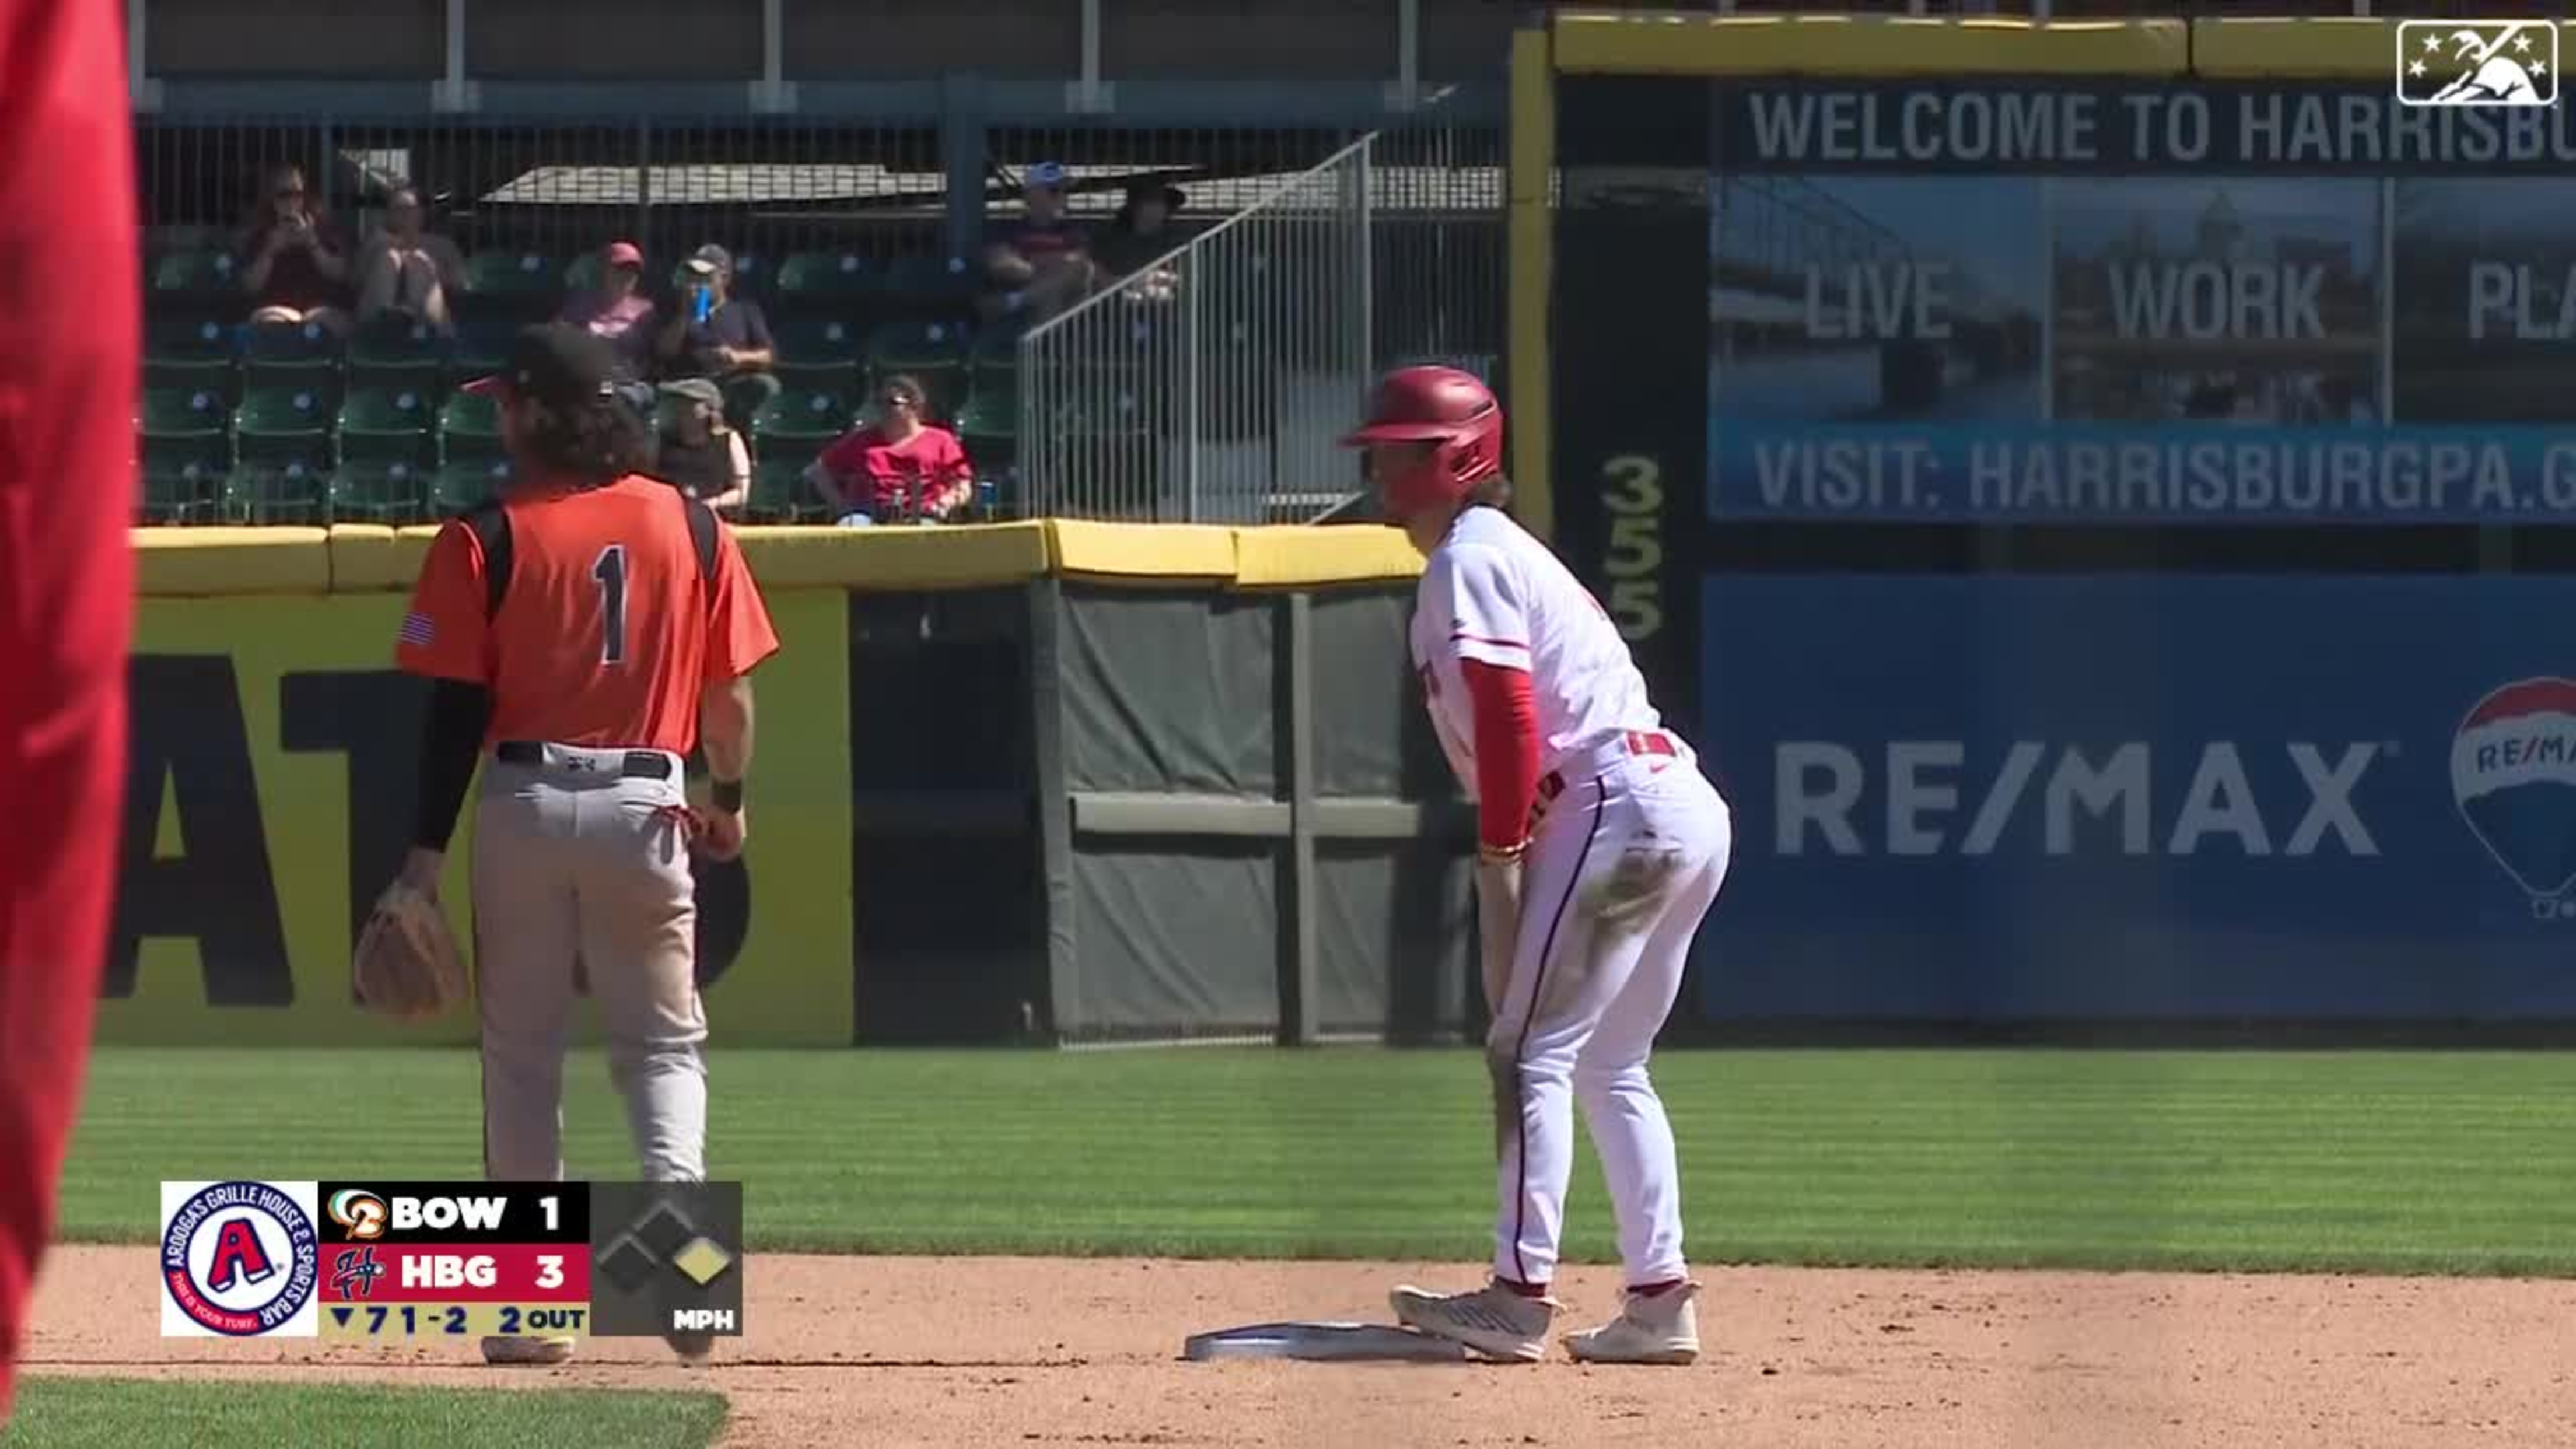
(1492, 1320)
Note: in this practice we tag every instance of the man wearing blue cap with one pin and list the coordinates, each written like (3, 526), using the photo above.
(1039, 266)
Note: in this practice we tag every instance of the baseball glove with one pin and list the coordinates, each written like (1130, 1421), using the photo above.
(407, 964)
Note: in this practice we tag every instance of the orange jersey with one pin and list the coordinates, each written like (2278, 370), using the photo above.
(607, 631)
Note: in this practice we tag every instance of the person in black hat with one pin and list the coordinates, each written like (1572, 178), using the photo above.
(697, 453)
(583, 636)
(562, 420)
(713, 334)
(1142, 234)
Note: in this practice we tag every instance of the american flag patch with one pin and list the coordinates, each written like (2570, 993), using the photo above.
(418, 631)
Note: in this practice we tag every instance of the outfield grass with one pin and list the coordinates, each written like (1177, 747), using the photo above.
(2362, 1161)
(60, 1413)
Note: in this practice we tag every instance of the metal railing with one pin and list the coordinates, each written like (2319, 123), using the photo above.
(1210, 384)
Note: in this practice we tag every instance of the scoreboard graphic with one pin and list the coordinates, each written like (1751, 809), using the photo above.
(403, 1262)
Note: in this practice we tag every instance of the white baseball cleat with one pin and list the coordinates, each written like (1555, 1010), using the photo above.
(519, 1349)
(1492, 1320)
(1660, 1329)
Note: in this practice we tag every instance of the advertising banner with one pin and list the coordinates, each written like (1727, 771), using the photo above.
(270, 796)
(2142, 798)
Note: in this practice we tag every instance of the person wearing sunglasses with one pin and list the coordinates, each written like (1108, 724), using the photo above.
(901, 468)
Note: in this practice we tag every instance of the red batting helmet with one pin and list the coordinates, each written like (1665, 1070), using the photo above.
(1444, 407)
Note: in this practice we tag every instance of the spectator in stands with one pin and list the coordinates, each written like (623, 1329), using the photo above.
(1040, 265)
(698, 453)
(900, 468)
(711, 334)
(294, 263)
(407, 273)
(1141, 232)
(618, 309)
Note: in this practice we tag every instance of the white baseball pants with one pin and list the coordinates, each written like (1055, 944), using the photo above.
(573, 861)
(1626, 861)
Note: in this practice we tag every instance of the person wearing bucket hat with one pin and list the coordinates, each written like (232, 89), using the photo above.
(1041, 264)
(696, 451)
(713, 334)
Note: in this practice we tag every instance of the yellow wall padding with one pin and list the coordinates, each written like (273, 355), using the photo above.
(1866, 45)
(194, 562)
(1289, 556)
(370, 558)
(2336, 46)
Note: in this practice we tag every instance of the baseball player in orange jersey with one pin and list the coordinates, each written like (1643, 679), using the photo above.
(69, 364)
(591, 627)
(1601, 848)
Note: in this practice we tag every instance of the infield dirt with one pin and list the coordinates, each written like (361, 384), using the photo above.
(890, 1353)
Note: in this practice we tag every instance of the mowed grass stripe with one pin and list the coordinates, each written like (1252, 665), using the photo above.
(111, 1413)
(2345, 1161)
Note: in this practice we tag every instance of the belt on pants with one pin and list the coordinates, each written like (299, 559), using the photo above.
(1624, 745)
(623, 764)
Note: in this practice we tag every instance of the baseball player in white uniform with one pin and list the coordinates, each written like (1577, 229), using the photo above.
(1601, 847)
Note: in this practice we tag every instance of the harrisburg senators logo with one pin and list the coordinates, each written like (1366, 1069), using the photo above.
(238, 1259)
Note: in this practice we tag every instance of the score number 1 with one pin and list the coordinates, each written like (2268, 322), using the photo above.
(1632, 498)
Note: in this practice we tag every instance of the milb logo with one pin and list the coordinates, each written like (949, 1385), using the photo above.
(1931, 804)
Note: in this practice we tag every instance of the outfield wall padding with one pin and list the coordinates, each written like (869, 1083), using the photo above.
(1001, 792)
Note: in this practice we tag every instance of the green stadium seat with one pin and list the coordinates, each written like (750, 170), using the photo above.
(469, 429)
(283, 426)
(779, 493)
(183, 412)
(989, 429)
(460, 485)
(396, 353)
(199, 274)
(812, 415)
(927, 284)
(183, 475)
(377, 491)
(482, 345)
(287, 491)
(271, 347)
(385, 425)
(184, 347)
(827, 282)
(514, 277)
(818, 353)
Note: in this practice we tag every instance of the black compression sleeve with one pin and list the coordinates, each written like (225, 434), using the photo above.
(451, 738)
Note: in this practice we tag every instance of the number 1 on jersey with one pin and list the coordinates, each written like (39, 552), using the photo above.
(610, 572)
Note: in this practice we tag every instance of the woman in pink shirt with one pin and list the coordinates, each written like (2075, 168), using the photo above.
(900, 468)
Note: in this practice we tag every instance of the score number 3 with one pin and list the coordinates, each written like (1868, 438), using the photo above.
(1632, 496)
(609, 572)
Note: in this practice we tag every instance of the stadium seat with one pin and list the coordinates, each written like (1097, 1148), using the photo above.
(988, 426)
(194, 275)
(934, 352)
(469, 429)
(808, 415)
(187, 449)
(285, 491)
(826, 283)
(482, 344)
(377, 491)
(285, 428)
(188, 348)
(779, 493)
(935, 286)
(818, 353)
(500, 280)
(396, 354)
(183, 412)
(290, 354)
(385, 425)
(460, 485)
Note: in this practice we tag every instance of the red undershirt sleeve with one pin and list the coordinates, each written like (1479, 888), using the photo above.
(1506, 751)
